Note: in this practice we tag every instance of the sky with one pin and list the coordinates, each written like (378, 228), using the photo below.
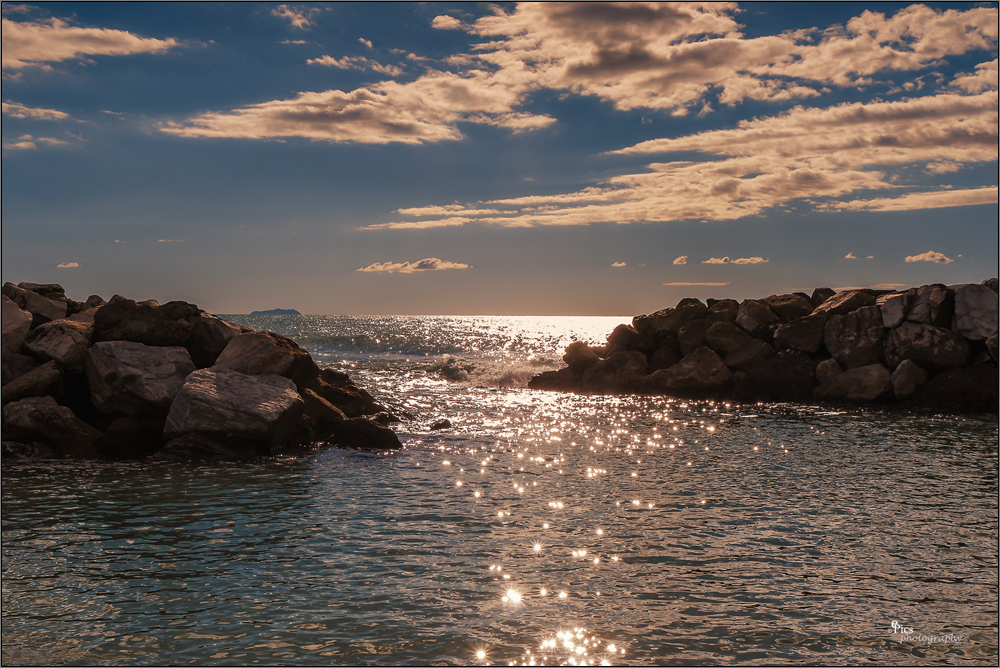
(509, 159)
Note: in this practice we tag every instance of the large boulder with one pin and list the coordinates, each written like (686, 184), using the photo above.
(755, 317)
(771, 375)
(845, 302)
(671, 319)
(559, 380)
(42, 420)
(975, 315)
(260, 353)
(855, 339)
(147, 322)
(45, 380)
(217, 402)
(742, 358)
(789, 307)
(134, 436)
(65, 341)
(723, 310)
(363, 434)
(932, 305)
(16, 365)
(907, 379)
(41, 308)
(691, 335)
(805, 333)
(820, 295)
(827, 369)
(209, 337)
(132, 378)
(663, 358)
(580, 357)
(894, 309)
(620, 373)
(726, 338)
(338, 388)
(971, 388)
(932, 348)
(866, 383)
(624, 337)
(16, 325)
(699, 374)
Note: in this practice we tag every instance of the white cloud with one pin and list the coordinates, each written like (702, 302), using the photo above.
(984, 78)
(619, 264)
(67, 265)
(17, 110)
(739, 260)
(445, 22)
(427, 264)
(935, 199)
(683, 259)
(170, 241)
(300, 17)
(930, 256)
(356, 63)
(850, 256)
(366, 42)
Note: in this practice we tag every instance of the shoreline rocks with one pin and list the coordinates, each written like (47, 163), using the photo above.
(928, 346)
(127, 379)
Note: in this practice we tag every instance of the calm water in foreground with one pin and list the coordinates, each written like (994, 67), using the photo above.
(542, 528)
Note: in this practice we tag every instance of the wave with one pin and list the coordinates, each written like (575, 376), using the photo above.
(491, 372)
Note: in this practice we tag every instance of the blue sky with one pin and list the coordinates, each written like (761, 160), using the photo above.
(496, 158)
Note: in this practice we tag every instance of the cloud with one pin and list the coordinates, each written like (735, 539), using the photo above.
(67, 265)
(684, 284)
(740, 260)
(366, 42)
(427, 264)
(27, 142)
(356, 63)
(984, 78)
(445, 22)
(170, 241)
(935, 199)
(850, 256)
(930, 256)
(36, 43)
(683, 259)
(619, 264)
(300, 17)
(17, 110)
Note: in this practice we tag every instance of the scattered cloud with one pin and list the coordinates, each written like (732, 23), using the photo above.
(445, 22)
(850, 256)
(427, 264)
(356, 63)
(943, 167)
(17, 110)
(930, 256)
(984, 78)
(619, 264)
(869, 257)
(37, 43)
(739, 260)
(366, 42)
(299, 16)
(935, 199)
(67, 265)
(294, 41)
(683, 259)
(685, 284)
(28, 142)
(170, 241)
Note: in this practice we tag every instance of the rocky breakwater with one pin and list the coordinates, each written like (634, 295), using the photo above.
(933, 345)
(127, 379)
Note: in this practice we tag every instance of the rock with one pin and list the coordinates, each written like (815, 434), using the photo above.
(991, 347)
(560, 380)
(15, 450)
(663, 358)
(726, 338)
(622, 338)
(42, 420)
(805, 333)
(827, 369)
(580, 357)
(365, 435)
(894, 309)
(441, 424)
(790, 307)
(991, 283)
(225, 404)
(691, 335)
(671, 319)
(337, 388)
(820, 295)
(16, 323)
(867, 383)
(321, 415)
(62, 340)
(134, 436)
(41, 308)
(975, 315)
(16, 365)
(932, 348)
(907, 379)
(146, 322)
(86, 316)
(47, 290)
(132, 378)
(620, 373)
(723, 310)
(44, 380)
(855, 339)
(972, 388)
(775, 376)
(845, 302)
(269, 353)
(740, 359)
(209, 337)
(93, 301)
(932, 305)
(754, 317)
(699, 374)
(195, 447)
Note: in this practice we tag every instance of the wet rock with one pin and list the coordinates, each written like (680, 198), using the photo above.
(132, 378)
(932, 305)
(197, 447)
(16, 450)
(726, 338)
(820, 295)
(441, 424)
(699, 374)
(16, 365)
(845, 302)
(624, 337)
(322, 416)
(827, 369)
(932, 348)
(691, 335)
(45, 380)
(337, 388)
(134, 436)
(791, 306)
(560, 380)
(364, 434)
(855, 339)
(805, 333)
(723, 310)
(754, 317)
(580, 357)
(975, 315)
(894, 309)
(775, 376)
(907, 379)
(971, 388)
(221, 403)
(41, 308)
(64, 341)
(16, 323)
(42, 420)
(867, 383)
(619, 373)
(663, 358)
(261, 353)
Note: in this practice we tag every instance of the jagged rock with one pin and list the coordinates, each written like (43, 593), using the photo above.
(754, 317)
(805, 333)
(671, 319)
(726, 338)
(364, 434)
(224, 404)
(663, 358)
(580, 357)
(991, 347)
(827, 369)
(16, 323)
(790, 307)
(209, 337)
(933, 305)
(932, 348)
(907, 379)
(337, 388)
(619, 373)
(894, 309)
(624, 337)
(269, 353)
(93, 301)
(968, 388)
(560, 380)
(723, 310)
(322, 415)
(975, 315)
(42, 420)
(84, 316)
(62, 340)
(741, 358)
(775, 376)
(991, 283)
(855, 339)
(820, 295)
(845, 302)
(699, 374)
(132, 378)
(691, 335)
(146, 322)
(47, 290)
(41, 308)
(16, 365)
(867, 383)
(45, 380)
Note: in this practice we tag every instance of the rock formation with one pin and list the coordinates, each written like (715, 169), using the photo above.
(127, 379)
(933, 345)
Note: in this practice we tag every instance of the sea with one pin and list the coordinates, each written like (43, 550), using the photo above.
(541, 528)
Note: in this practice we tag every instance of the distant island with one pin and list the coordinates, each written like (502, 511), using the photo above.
(277, 311)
